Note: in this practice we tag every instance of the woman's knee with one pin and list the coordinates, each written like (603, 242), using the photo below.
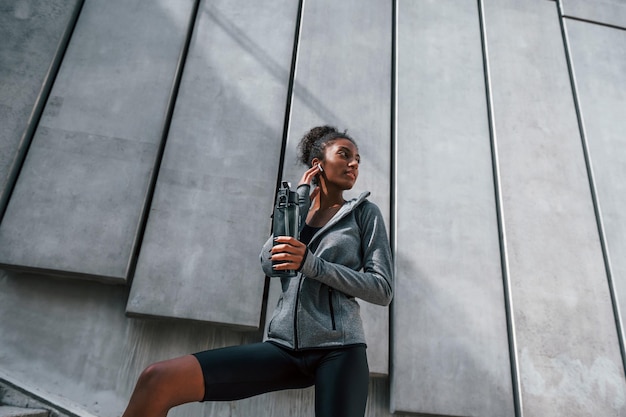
(154, 377)
(173, 382)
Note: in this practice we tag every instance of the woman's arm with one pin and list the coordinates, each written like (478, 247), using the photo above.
(374, 283)
(265, 256)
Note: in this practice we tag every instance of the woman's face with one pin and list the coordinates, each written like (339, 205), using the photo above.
(341, 163)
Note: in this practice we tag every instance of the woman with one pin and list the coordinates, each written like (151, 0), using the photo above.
(315, 336)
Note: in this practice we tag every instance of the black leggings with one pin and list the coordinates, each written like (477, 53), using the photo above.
(340, 376)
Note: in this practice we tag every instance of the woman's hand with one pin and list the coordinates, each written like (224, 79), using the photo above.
(289, 253)
(309, 174)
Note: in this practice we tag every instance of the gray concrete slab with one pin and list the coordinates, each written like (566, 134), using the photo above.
(34, 35)
(345, 80)
(598, 56)
(213, 200)
(8, 411)
(79, 199)
(608, 12)
(450, 346)
(569, 357)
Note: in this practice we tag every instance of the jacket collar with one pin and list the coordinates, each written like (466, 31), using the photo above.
(347, 207)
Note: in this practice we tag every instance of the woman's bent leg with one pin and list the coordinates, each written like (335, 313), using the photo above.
(223, 374)
(164, 385)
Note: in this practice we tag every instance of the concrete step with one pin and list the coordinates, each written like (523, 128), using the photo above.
(7, 411)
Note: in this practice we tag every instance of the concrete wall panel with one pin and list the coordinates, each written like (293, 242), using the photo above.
(345, 80)
(79, 198)
(34, 35)
(609, 12)
(567, 344)
(450, 347)
(214, 195)
(599, 61)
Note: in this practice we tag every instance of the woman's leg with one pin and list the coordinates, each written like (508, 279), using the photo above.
(342, 383)
(164, 385)
(223, 374)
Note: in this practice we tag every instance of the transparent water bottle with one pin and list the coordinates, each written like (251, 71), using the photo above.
(286, 219)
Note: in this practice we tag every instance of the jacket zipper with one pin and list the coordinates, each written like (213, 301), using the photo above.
(295, 317)
(332, 310)
(330, 290)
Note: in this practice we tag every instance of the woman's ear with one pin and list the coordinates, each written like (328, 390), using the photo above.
(315, 162)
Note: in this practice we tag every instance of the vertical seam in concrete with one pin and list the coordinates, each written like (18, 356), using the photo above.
(393, 174)
(283, 147)
(167, 122)
(290, 87)
(37, 111)
(592, 185)
(504, 259)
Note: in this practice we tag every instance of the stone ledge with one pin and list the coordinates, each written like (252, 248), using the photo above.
(16, 394)
(7, 411)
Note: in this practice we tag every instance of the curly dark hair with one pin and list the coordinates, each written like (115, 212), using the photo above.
(314, 142)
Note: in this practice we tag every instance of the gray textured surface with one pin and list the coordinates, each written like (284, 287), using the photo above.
(569, 356)
(610, 12)
(211, 212)
(450, 346)
(78, 200)
(7, 411)
(22, 395)
(346, 81)
(601, 82)
(72, 340)
(33, 35)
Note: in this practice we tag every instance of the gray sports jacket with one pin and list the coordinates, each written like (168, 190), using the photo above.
(349, 257)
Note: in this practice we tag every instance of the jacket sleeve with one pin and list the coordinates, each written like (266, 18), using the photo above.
(266, 262)
(374, 283)
(304, 202)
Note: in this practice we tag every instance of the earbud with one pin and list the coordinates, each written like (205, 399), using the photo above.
(320, 167)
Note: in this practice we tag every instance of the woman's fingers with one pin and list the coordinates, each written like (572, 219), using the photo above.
(289, 252)
(288, 249)
(283, 261)
(288, 241)
(309, 174)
